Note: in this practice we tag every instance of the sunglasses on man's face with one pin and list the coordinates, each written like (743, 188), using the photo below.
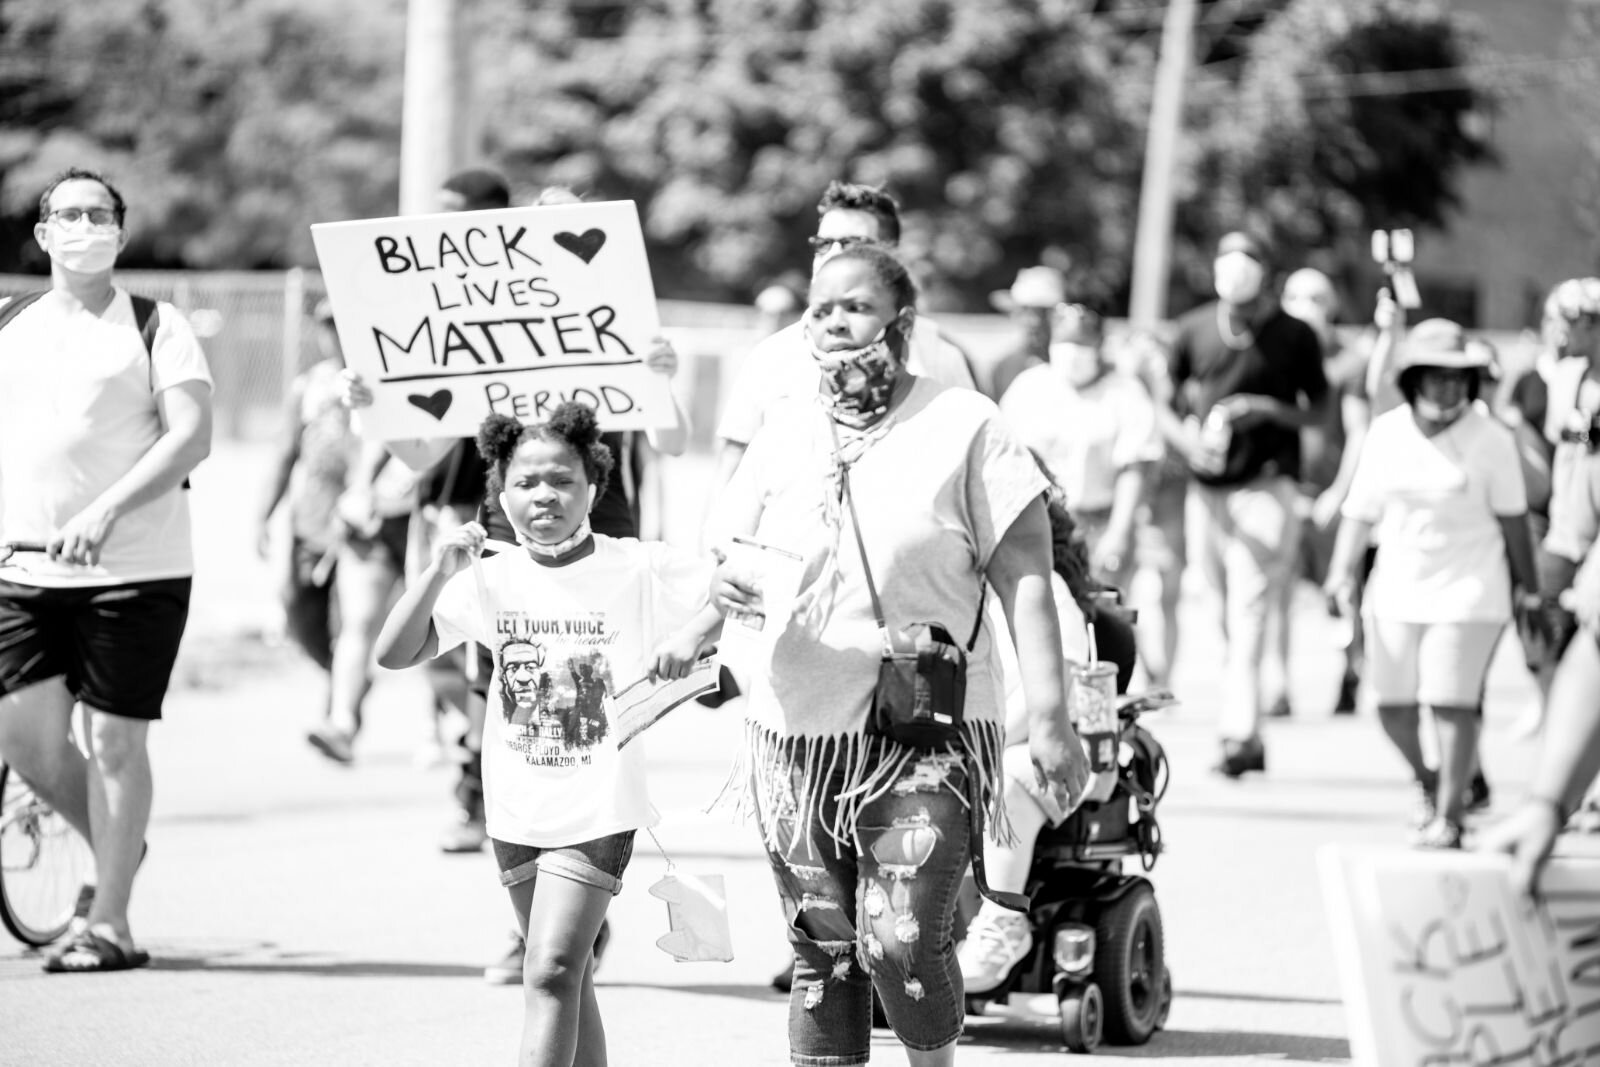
(823, 245)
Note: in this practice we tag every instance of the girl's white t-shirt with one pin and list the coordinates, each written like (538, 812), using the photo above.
(565, 640)
(1437, 503)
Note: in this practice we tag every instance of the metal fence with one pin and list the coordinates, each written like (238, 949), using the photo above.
(254, 326)
(258, 334)
(257, 331)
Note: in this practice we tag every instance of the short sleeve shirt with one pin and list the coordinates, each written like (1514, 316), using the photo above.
(781, 367)
(936, 492)
(565, 640)
(1573, 409)
(1086, 436)
(327, 449)
(1437, 502)
(77, 412)
(1282, 359)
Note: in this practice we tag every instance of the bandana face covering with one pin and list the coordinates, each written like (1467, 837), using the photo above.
(860, 379)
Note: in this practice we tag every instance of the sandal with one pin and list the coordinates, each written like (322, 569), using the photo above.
(85, 901)
(91, 952)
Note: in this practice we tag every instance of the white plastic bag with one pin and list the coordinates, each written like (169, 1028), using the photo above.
(697, 915)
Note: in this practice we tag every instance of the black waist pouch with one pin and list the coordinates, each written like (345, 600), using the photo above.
(922, 688)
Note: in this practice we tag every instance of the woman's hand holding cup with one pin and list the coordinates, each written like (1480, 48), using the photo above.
(733, 591)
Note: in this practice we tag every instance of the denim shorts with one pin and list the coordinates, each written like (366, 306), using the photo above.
(599, 863)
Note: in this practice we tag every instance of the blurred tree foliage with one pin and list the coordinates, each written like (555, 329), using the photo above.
(1583, 96)
(230, 125)
(1010, 129)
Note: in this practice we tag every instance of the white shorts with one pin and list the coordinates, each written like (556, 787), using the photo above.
(1440, 664)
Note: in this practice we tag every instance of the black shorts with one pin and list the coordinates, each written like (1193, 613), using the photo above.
(114, 644)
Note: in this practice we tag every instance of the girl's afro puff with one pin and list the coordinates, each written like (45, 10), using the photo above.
(571, 424)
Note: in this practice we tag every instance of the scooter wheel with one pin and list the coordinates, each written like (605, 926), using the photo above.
(1166, 999)
(1083, 1018)
(977, 1005)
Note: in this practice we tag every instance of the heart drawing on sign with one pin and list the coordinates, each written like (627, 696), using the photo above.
(436, 404)
(585, 245)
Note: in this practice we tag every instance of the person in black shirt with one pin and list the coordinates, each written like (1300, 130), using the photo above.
(1246, 380)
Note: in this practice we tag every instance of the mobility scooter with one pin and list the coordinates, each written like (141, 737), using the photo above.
(1097, 933)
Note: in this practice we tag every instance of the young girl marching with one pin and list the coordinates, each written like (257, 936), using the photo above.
(571, 618)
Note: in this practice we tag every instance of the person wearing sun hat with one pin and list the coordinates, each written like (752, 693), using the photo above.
(1029, 302)
(1440, 478)
(1245, 379)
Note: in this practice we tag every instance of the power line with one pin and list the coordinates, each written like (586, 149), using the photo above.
(1524, 70)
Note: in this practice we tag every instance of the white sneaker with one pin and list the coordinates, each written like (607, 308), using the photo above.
(996, 941)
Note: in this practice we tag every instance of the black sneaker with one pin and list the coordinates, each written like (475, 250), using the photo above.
(1478, 794)
(1240, 757)
(1349, 687)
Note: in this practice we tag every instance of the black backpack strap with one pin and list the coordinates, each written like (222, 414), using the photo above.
(14, 306)
(147, 318)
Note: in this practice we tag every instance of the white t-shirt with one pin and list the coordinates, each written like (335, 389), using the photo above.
(565, 640)
(1437, 501)
(938, 487)
(1574, 469)
(77, 411)
(782, 366)
(1086, 436)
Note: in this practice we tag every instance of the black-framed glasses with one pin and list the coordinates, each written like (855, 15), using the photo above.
(821, 245)
(100, 218)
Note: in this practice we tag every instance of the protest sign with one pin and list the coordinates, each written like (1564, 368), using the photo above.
(641, 704)
(1442, 965)
(452, 317)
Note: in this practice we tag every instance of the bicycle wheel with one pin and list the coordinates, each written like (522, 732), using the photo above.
(43, 863)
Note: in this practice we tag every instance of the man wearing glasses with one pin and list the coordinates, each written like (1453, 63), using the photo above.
(98, 432)
(782, 366)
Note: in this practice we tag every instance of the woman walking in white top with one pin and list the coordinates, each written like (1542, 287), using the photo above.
(1440, 478)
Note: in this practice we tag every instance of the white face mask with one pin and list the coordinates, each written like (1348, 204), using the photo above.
(1238, 278)
(1435, 412)
(84, 251)
(1080, 363)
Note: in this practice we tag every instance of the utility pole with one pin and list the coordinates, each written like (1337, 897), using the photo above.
(437, 130)
(1152, 246)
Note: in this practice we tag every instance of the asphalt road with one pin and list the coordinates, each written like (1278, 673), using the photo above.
(301, 913)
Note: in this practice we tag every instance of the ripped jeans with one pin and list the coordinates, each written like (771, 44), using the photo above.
(878, 914)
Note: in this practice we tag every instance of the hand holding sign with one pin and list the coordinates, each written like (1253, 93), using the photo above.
(449, 318)
(1441, 963)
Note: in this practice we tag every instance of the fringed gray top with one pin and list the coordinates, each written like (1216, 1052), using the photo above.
(936, 485)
